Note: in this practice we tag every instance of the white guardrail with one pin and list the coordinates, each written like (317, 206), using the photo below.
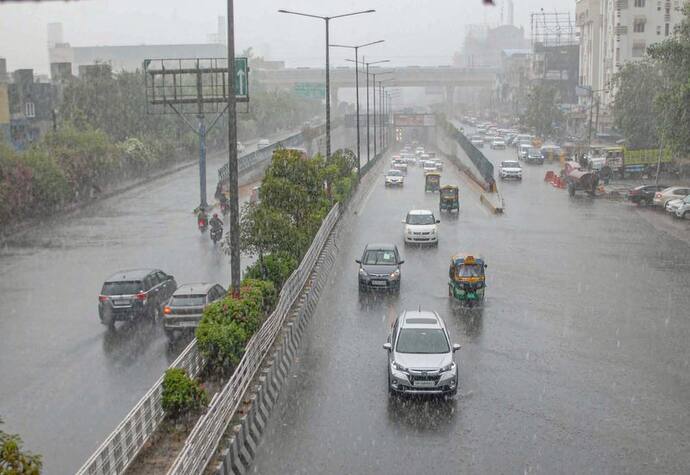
(121, 447)
(124, 443)
(202, 443)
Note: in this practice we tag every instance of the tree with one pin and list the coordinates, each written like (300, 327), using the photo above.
(14, 461)
(672, 57)
(267, 230)
(543, 114)
(634, 112)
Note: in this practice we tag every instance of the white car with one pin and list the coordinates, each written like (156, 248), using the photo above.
(263, 143)
(394, 178)
(429, 166)
(672, 205)
(498, 144)
(421, 227)
(399, 165)
(510, 169)
(683, 209)
(670, 193)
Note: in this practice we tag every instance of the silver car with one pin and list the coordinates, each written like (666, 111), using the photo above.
(186, 306)
(420, 356)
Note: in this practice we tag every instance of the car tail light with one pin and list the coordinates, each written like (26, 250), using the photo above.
(657, 195)
(102, 298)
(167, 310)
(141, 296)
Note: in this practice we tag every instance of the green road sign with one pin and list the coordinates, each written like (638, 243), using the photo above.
(241, 78)
(310, 90)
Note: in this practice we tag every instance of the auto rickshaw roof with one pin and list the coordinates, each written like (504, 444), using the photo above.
(449, 187)
(432, 174)
(460, 259)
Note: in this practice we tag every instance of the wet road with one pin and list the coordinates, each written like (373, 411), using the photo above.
(65, 382)
(577, 363)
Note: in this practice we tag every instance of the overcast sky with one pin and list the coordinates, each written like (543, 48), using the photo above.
(424, 32)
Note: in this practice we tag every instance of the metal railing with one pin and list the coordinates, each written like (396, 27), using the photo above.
(123, 444)
(252, 159)
(203, 441)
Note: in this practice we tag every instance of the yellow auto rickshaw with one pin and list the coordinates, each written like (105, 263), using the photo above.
(432, 181)
(449, 198)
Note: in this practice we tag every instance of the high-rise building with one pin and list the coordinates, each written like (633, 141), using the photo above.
(614, 32)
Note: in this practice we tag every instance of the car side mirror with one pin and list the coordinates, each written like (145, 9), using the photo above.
(387, 346)
(358, 261)
(456, 347)
(401, 262)
(438, 221)
(485, 266)
(403, 221)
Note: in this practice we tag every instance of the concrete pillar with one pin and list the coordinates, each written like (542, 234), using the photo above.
(450, 101)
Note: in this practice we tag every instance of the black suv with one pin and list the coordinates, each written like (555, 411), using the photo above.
(644, 194)
(379, 267)
(135, 294)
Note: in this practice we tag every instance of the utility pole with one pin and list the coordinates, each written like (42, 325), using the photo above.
(234, 200)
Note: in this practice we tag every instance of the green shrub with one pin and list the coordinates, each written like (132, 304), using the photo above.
(181, 394)
(221, 343)
(14, 461)
(276, 268)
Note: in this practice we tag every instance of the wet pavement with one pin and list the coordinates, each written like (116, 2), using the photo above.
(65, 381)
(578, 361)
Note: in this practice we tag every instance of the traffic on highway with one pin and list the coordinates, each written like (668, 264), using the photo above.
(444, 237)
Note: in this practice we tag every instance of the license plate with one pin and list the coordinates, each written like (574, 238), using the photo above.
(425, 384)
(120, 302)
(378, 283)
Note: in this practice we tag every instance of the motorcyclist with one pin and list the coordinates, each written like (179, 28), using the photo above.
(216, 222)
(201, 217)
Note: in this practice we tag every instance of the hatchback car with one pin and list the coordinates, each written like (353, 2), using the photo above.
(670, 193)
(510, 169)
(421, 227)
(644, 194)
(534, 156)
(134, 295)
(379, 268)
(185, 307)
(420, 355)
(394, 177)
(683, 210)
(498, 144)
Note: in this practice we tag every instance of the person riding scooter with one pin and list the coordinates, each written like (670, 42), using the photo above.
(216, 228)
(201, 219)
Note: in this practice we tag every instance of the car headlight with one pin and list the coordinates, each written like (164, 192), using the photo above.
(398, 367)
(395, 274)
(450, 367)
(362, 272)
(433, 231)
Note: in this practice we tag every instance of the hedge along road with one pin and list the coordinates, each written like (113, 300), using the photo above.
(65, 382)
(577, 363)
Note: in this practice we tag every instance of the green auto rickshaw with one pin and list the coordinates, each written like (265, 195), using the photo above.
(449, 199)
(467, 278)
(432, 181)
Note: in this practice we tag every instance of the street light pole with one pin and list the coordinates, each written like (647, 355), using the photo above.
(356, 48)
(327, 20)
(234, 202)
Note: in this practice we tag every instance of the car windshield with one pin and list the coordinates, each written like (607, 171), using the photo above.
(420, 219)
(379, 257)
(124, 287)
(510, 164)
(422, 341)
(394, 173)
(196, 300)
(470, 270)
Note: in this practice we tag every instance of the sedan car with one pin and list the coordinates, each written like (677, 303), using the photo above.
(498, 144)
(185, 307)
(510, 169)
(135, 294)
(421, 227)
(420, 355)
(477, 141)
(644, 194)
(379, 268)
(394, 177)
(670, 193)
(672, 205)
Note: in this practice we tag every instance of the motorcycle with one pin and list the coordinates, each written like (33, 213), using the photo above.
(216, 234)
(202, 223)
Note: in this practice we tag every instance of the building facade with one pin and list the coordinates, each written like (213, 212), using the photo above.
(615, 32)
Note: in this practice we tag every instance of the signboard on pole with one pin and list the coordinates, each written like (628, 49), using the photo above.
(414, 120)
(310, 90)
(241, 78)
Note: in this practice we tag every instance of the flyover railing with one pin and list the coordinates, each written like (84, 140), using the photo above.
(121, 447)
(252, 159)
(203, 441)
